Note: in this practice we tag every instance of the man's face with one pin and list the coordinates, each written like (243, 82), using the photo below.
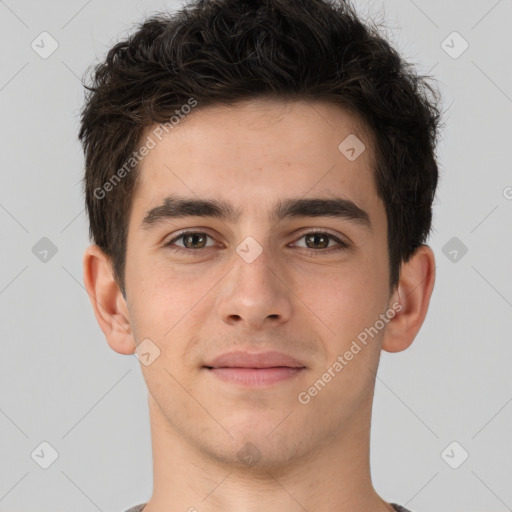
(305, 294)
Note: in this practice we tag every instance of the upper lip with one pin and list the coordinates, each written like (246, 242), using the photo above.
(241, 359)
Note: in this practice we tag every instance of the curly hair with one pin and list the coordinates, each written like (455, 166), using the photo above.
(224, 51)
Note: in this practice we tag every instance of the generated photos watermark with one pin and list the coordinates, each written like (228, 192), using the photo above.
(157, 134)
(342, 361)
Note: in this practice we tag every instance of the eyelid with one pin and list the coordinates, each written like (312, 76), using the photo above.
(188, 231)
(341, 241)
(326, 231)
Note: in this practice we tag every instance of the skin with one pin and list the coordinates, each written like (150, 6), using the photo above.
(312, 456)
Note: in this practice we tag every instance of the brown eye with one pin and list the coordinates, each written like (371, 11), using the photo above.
(192, 241)
(315, 241)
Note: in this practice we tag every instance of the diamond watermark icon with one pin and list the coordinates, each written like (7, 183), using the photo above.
(44, 250)
(249, 249)
(454, 249)
(454, 45)
(44, 455)
(249, 454)
(44, 45)
(351, 147)
(146, 352)
(454, 455)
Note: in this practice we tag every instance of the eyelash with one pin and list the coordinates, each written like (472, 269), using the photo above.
(314, 252)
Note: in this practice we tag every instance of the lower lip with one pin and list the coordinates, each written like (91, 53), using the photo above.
(255, 376)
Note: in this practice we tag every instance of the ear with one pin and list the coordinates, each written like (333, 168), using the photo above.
(108, 303)
(413, 293)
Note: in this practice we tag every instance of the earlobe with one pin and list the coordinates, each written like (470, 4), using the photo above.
(417, 277)
(108, 303)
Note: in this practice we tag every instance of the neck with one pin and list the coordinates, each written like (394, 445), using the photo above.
(334, 476)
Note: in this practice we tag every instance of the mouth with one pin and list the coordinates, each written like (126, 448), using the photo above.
(254, 369)
(254, 377)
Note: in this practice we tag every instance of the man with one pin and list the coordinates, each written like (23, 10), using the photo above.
(259, 183)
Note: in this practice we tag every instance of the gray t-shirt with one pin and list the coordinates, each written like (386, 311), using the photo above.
(138, 508)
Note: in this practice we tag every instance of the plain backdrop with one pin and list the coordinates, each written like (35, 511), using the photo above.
(442, 414)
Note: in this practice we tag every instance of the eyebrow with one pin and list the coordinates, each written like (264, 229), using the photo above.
(175, 207)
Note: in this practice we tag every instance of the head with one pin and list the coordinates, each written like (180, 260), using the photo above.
(250, 104)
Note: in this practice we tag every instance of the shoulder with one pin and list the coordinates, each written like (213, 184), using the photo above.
(399, 508)
(137, 508)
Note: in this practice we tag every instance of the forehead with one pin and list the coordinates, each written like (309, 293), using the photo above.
(258, 152)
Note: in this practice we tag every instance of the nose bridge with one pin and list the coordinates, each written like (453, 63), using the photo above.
(256, 266)
(254, 289)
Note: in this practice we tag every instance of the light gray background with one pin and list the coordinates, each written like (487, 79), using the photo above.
(61, 383)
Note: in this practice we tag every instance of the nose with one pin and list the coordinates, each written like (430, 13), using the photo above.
(256, 292)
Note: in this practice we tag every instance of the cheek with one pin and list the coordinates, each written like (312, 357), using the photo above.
(169, 305)
(155, 302)
(346, 294)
